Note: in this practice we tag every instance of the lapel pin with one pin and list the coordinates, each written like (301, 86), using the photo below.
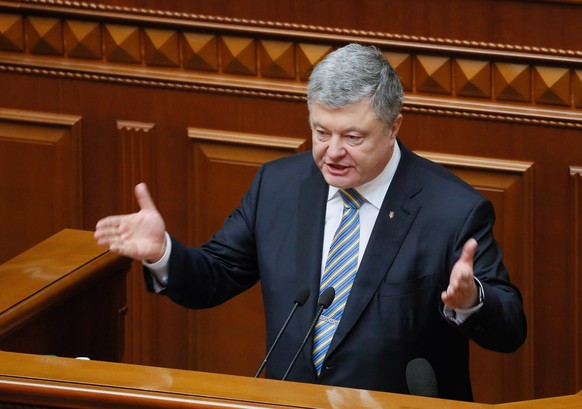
(391, 214)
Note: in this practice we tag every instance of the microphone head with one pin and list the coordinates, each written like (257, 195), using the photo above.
(421, 378)
(327, 297)
(302, 295)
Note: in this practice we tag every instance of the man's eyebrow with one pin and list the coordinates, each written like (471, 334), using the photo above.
(347, 130)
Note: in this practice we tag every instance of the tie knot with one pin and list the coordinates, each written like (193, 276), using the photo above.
(352, 198)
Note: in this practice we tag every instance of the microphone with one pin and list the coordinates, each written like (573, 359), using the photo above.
(421, 379)
(324, 301)
(300, 298)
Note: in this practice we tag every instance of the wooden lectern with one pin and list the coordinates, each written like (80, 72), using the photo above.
(66, 297)
(35, 381)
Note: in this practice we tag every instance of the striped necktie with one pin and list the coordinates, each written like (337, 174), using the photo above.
(340, 270)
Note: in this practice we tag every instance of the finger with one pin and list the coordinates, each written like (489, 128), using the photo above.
(461, 278)
(447, 298)
(103, 234)
(461, 294)
(144, 199)
(469, 251)
(444, 297)
(452, 292)
(105, 239)
(108, 224)
(117, 247)
(108, 230)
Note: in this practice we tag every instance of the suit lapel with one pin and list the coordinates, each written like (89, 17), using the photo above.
(396, 216)
(310, 230)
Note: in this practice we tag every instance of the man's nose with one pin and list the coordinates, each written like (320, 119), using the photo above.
(336, 146)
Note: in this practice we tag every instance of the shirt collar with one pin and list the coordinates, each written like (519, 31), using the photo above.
(375, 190)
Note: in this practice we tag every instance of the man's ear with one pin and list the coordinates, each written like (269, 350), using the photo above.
(395, 127)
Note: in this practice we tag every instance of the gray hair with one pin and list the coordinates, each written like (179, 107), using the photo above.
(353, 73)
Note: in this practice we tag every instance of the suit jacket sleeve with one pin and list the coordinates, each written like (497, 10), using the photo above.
(500, 325)
(224, 266)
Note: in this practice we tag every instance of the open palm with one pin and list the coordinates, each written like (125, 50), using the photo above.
(140, 235)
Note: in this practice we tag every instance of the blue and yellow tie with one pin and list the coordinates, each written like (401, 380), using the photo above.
(340, 270)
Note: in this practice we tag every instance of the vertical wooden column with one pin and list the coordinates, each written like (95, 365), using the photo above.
(136, 164)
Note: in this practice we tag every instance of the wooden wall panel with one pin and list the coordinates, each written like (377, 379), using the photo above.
(40, 182)
(191, 97)
(576, 268)
(213, 192)
(509, 186)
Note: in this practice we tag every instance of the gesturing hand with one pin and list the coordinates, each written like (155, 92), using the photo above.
(140, 235)
(462, 291)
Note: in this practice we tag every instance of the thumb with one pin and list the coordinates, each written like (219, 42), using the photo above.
(469, 251)
(144, 198)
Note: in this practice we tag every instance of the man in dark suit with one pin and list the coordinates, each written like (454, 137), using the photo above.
(428, 273)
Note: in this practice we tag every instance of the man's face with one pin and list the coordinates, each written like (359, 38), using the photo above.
(351, 145)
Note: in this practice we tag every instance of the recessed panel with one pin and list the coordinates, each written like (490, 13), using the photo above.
(222, 167)
(40, 179)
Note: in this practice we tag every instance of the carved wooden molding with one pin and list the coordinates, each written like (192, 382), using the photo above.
(162, 16)
(154, 78)
(578, 2)
(38, 117)
(474, 162)
(293, 145)
(181, 51)
(486, 111)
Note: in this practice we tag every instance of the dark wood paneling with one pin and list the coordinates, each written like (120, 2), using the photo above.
(40, 182)
(576, 269)
(509, 186)
(222, 165)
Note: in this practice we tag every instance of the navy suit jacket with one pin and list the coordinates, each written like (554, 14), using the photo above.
(394, 311)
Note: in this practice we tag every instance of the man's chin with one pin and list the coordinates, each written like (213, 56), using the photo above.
(340, 182)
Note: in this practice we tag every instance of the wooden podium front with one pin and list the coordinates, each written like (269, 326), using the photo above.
(35, 381)
(45, 381)
(66, 297)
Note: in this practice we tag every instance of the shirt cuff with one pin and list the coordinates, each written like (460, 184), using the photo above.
(159, 269)
(460, 315)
